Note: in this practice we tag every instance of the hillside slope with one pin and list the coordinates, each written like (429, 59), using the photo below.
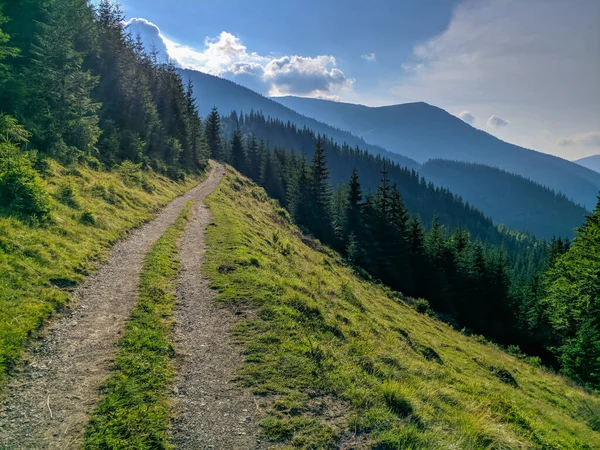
(40, 264)
(423, 132)
(507, 198)
(591, 162)
(228, 96)
(342, 362)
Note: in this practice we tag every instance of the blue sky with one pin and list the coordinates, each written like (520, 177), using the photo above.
(524, 70)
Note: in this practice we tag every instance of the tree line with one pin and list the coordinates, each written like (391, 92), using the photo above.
(512, 292)
(75, 86)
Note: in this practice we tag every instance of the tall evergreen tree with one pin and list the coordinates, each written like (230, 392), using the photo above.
(213, 134)
(238, 158)
(319, 200)
(572, 303)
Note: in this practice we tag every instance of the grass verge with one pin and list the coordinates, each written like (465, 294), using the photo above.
(340, 361)
(40, 264)
(134, 412)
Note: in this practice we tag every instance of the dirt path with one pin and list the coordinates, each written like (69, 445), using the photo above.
(211, 410)
(49, 402)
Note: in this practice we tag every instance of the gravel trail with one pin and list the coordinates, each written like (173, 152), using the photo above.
(211, 411)
(48, 403)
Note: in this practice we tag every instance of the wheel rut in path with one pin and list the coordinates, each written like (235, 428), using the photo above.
(210, 410)
(48, 403)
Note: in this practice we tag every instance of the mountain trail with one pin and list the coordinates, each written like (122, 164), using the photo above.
(211, 411)
(47, 403)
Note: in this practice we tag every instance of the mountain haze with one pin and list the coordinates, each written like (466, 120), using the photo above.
(227, 96)
(507, 198)
(422, 131)
(591, 162)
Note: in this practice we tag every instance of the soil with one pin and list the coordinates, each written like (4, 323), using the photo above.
(211, 410)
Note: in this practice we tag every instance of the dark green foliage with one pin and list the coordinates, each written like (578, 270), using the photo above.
(571, 303)
(213, 134)
(21, 189)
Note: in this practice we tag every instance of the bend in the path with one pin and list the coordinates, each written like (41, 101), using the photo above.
(49, 403)
(211, 411)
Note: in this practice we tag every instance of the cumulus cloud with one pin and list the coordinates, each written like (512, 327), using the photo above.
(467, 117)
(226, 55)
(536, 61)
(591, 139)
(369, 56)
(150, 35)
(305, 76)
(496, 122)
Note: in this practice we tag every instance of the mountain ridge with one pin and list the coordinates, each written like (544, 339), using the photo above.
(227, 96)
(422, 132)
(590, 162)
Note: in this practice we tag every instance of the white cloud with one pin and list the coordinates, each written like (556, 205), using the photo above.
(467, 117)
(369, 57)
(496, 122)
(591, 139)
(151, 36)
(536, 61)
(305, 76)
(225, 55)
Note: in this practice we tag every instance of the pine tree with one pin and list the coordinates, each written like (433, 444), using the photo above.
(238, 158)
(298, 193)
(63, 115)
(353, 221)
(572, 303)
(319, 200)
(213, 134)
(252, 150)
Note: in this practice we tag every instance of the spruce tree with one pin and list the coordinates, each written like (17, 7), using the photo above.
(213, 134)
(238, 158)
(319, 200)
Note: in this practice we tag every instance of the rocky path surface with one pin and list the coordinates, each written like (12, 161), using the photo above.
(47, 405)
(211, 412)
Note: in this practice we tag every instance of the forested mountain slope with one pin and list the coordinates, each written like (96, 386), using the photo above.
(420, 196)
(424, 132)
(342, 362)
(227, 96)
(507, 198)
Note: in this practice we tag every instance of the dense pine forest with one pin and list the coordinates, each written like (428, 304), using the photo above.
(76, 87)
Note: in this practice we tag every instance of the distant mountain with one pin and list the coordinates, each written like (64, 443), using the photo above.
(591, 162)
(228, 96)
(424, 132)
(507, 198)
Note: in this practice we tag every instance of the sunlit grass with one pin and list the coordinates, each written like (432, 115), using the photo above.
(38, 264)
(341, 359)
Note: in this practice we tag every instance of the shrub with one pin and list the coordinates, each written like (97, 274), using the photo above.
(67, 196)
(131, 173)
(87, 218)
(422, 306)
(21, 188)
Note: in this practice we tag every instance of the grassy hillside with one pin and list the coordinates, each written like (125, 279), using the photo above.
(40, 263)
(341, 361)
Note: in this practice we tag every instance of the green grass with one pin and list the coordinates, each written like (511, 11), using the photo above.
(337, 358)
(134, 410)
(40, 264)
